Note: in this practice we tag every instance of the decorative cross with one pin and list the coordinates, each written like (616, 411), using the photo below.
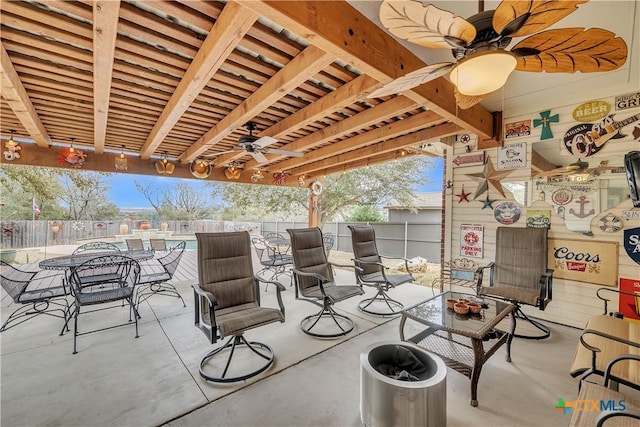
(545, 122)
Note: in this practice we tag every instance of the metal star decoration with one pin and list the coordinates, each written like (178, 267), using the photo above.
(463, 197)
(489, 176)
(487, 203)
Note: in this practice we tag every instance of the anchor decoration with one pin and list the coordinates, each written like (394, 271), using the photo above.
(545, 121)
(582, 200)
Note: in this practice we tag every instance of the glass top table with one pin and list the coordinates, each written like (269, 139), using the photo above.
(464, 341)
(70, 261)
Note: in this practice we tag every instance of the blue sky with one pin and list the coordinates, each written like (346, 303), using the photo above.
(124, 194)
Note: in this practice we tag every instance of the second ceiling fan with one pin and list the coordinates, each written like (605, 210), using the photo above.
(482, 62)
(257, 146)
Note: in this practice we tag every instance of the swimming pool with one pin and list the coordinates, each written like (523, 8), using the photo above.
(191, 244)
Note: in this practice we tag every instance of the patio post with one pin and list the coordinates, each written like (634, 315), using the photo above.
(313, 210)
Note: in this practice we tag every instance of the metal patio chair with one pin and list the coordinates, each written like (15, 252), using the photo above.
(227, 304)
(157, 282)
(124, 273)
(520, 274)
(271, 259)
(36, 294)
(135, 244)
(96, 247)
(374, 273)
(313, 277)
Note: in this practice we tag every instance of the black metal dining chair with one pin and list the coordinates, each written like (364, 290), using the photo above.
(36, 292)
(123, 273)
(157, 282)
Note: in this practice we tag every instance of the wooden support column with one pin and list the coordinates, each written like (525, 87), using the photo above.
(313, 210)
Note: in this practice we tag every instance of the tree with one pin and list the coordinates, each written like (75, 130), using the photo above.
(181, 202)
(365, 213)
(19, 187)
(370, 186)
(84, 196)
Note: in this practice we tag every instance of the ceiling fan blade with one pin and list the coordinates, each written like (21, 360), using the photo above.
(264, 141)
(413, 79)
(209, 156)
(427, 26)
(282, 152)
(565, 170)
(568, 50)
(260, 158)
(537, 14)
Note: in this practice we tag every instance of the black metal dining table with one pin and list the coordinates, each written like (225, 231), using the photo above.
(68, 262)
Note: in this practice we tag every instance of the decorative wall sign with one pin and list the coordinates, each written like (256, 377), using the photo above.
(587, 139)
(562, 196)
(507, 213)
(472, 240)
(545, 121)
(632, 243)
(590, 111)
(629, 305)
(512, 156)
(538, 218)
(489, 176)
(610, 223)
(517, 129)
(630, 100)
(633, 214)
(469, 159)
(584, 261)
(580, 211)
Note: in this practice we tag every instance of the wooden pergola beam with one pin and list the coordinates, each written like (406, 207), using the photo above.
(393, 107)
(309, 62)
(231, 26)
(105, 31)
(338, 27)
(362, 163)
(16, 96)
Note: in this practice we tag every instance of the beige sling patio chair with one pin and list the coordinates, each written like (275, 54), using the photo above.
(314, 281)
(373, 272)
(227, 304)
(519, 273)
(135, 244)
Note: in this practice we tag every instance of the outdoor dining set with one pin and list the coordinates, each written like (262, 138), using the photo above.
(96, 273)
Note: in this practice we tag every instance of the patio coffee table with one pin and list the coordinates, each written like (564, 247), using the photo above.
(464, 341)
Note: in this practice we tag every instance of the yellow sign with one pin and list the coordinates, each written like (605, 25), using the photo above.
(584, 261)
(591, 111)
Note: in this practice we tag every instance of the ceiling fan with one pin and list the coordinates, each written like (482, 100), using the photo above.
(257, 146)
(482, 63)
(578, 168)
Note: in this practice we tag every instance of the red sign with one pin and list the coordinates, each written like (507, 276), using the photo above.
(576, 266)
(469, 159)
(629, 304)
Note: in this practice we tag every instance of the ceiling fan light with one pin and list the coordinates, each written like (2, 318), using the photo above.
(483, 72)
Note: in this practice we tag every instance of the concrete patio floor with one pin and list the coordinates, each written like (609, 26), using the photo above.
(117, 380)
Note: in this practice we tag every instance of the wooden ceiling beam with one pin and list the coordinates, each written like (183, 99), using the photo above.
(16, 96)
(232, 24)
(389, 145)
(392, 130)
(105, 25)
(301, 68)
(362, 163)
(394, 107)
(341, 29)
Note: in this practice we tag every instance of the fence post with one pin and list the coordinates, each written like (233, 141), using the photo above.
(337, 236)
(406, 229)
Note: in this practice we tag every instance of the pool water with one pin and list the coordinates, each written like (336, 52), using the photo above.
(191, 244)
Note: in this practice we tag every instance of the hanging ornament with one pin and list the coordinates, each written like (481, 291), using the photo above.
(13, 149)
(164, 166)
(72, 156)
(316, 188)
(233, 171)
(121, 162)
(257, 176)
(487, 203)
(280, 178)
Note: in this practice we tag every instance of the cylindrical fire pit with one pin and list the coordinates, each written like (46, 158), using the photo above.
(401, 384)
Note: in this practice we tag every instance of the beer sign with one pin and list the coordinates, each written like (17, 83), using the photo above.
(591, 111)
(584, 261)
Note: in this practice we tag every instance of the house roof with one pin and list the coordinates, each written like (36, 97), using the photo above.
(420, 201)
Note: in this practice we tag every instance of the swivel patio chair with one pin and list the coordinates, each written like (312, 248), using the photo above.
(36, 294)
(124, 273)
(96, 247)
(227, 304)
(374, 273)
(157, 282)
(519, 273)
(315, 283)
(135, 244)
